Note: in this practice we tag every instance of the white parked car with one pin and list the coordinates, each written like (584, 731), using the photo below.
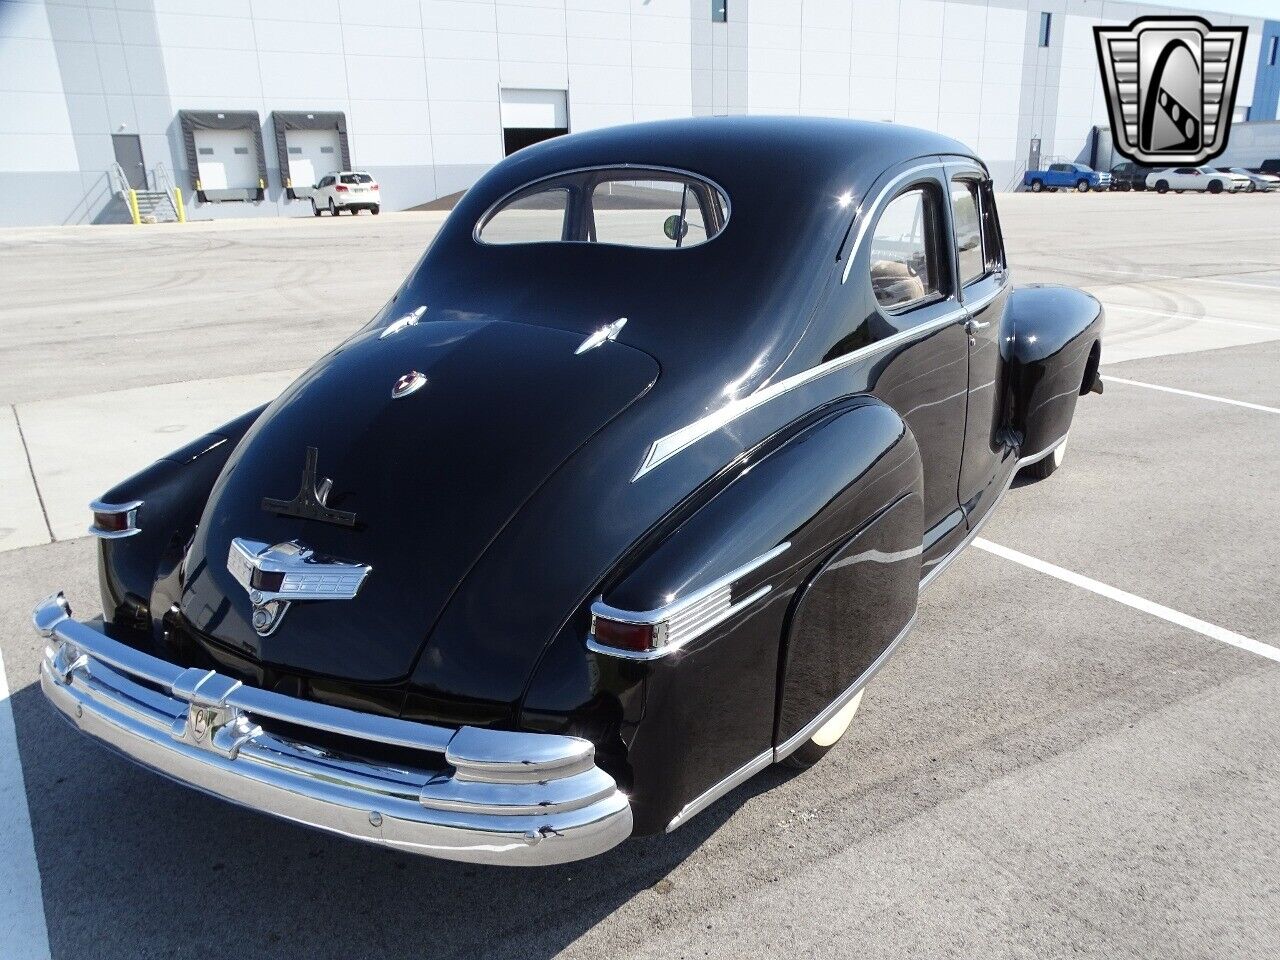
(1260, 182)
(346, 190)
(1196, 178)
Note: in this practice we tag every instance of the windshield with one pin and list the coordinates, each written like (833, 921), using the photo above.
(657, 209)
(355, 178)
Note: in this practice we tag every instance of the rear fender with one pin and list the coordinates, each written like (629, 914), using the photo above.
(674, 728)
(137, 574)
(1051, 353)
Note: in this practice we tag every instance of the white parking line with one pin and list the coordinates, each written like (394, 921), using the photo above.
(23, 934)
(1176, 315)
(1169, 276)
(1130, 600)
(1191, 393)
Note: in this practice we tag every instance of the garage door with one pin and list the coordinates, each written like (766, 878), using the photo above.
(227, 159)
(531, 116)
(312, 155)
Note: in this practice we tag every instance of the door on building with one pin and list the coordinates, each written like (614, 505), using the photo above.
(128, 149)
(312, 154)
(227, 159)
(531, 116)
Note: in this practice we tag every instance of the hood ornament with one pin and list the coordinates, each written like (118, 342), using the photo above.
(276, 576)
(411, 382)
(309, 503)
(408, 320)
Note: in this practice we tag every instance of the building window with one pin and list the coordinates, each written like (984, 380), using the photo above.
(1046, 25)
(1271, 51)
(720, 11)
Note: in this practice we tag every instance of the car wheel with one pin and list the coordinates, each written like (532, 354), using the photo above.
(1036, 186)
(1162, 186)
(1215, 186)
(377, 210)
(333, 211)
(828, 735)
(315, 211)
(1082, 186)
(1250, 188)
(1046, 467)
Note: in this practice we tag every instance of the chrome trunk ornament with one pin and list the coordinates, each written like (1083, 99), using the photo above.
(411, 382)
(276, 576)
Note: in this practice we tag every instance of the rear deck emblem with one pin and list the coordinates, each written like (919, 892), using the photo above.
(276, 576)
(1171, 87)
(309, 502)
(411, 382)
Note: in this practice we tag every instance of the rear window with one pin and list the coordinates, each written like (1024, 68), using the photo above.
(355, 178)
(655, 209)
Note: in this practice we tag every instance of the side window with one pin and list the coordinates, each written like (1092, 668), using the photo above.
(534, 218)
(904, 250)
(968, 225)
(992, 242)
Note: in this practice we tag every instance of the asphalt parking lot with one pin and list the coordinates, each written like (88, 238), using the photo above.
(1078, 759)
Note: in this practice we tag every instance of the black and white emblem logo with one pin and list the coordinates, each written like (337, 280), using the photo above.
(1171, 87)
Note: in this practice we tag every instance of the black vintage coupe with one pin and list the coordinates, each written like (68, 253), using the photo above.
(623, 496)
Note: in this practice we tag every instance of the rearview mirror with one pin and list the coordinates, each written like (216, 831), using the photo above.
(675, 227)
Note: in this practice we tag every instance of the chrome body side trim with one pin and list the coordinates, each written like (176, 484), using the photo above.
(688, 618)
(606, 333)
(798, 739)
(969, 537)
(131, 519)
(711, 795)
(664, 448)
(481, 796)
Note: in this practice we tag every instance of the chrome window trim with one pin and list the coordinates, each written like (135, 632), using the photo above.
(715, 597)
(494, 208)
(873, 211)
(130, 508)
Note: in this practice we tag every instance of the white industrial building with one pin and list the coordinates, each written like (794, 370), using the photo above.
(243, 104)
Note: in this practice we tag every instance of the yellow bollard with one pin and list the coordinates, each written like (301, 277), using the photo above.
(133, 207)
(177, 204)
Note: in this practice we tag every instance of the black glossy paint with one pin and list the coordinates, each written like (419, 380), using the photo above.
(497, 502)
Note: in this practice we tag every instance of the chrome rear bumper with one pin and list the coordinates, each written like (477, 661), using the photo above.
(523, 799)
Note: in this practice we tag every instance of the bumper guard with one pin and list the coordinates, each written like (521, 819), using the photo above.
(520, 799)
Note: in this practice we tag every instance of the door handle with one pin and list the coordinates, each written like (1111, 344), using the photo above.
(972, 326)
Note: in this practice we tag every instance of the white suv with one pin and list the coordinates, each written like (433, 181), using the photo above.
(346, 190)
(1196, 178)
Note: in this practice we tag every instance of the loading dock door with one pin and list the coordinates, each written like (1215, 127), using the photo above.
(312, 155)
(227, 159)
(531, 116)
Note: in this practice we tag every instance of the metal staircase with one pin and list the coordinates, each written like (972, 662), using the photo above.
(161, 204)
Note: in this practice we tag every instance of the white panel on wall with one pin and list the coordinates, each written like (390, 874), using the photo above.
(29, 21)
(281, 36)
(465, 117)
(589, 83)
(462, 79)
(194, 30)
(459, 14)
(391, 116)
(386, 78)
(301, 75)
(392, 150)
(548, 21)
(202, 73)
(542, 109)
(532, 48)
(598, 51)
(467, 149)
(594, 23)
(461, 44)
(380, 13)
(513, 73)
(591, 116)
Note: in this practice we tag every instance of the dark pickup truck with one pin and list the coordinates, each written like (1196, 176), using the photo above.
(1130, 176)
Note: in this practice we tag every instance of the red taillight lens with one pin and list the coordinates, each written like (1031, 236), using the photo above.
(111, 522)
(267, 580)
(373, 187)
(625, 636)
(340, 188)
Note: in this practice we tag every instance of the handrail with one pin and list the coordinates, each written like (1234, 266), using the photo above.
(119, 182)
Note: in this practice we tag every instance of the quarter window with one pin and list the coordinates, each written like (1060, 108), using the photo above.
(904, 264)
(968, 228)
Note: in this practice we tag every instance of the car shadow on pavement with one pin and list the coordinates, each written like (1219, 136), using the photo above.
(133, 865)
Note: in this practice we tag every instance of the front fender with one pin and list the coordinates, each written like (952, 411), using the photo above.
(137, 574)
(675, 727)
(1051, 348)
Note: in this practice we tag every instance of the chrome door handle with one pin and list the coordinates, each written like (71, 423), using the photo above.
(972, 326)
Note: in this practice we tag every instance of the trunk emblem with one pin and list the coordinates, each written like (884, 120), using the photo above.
(276, 576)
(411, 382)
(309, 502)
